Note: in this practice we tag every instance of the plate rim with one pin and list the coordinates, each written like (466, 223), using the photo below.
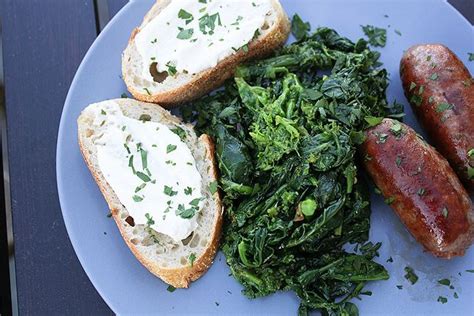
(62, 125)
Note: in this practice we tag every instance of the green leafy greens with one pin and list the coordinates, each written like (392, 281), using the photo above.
(286, 131)
(377, 36)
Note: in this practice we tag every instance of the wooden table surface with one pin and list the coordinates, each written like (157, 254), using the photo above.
(43, 43)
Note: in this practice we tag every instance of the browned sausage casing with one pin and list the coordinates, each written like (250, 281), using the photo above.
(441, 92)
(421, 187)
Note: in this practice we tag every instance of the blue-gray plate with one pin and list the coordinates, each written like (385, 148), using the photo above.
(128, 288)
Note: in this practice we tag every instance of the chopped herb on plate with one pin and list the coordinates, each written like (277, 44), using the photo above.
(410, 275)
(377, 36)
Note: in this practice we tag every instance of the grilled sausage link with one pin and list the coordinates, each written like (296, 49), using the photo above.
(421, 187)
(441, 92)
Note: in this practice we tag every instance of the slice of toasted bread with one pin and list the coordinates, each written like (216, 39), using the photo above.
(167, 259)
(184, 87)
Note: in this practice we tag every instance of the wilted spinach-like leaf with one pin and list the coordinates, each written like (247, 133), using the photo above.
(299, 28)
(234, 159)
(377, 36)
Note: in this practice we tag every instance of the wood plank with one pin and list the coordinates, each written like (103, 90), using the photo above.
(115, 6)
(43, 43)
(465, 7)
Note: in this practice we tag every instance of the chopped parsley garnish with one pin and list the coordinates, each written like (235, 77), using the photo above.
(185, 15)
(442, 299)
(468, 82)
(256, 34)
(412, 85)
(191, 259)
(443, 107)
(445, 212)
(455, 295)
(381, 138)
(431, 99)
(398, 161)
(130, 164)
(154, 41)
(470, 271)
(180, 132)
(186, 213)
(140, 187)
(147, 91)
(188, 191)
(207, 23)
(127, 148)
(445, 282)
(171, 288)
(239, 18)
(421, 192)
(143, 176)
(470, 153)
(195, 202)
(244, 48)
(410, 275)
(213, 187)
(171, 68)
(170, 148)
(398, 32)
(390, 259)
(124, 96)
(169, 191)
(137, 198)
(185, 34)
(103, 112)
(434, 76)
(416, 100)
(144, 118)
(149, 220)
(377, 36)
(389, 200)
(396, 129)
(471, 56)
(400, 287)
(170, 162)
(421, 90)
(144, 155)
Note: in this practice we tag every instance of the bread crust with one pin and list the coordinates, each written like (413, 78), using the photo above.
(211, 78)
(177, 277)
